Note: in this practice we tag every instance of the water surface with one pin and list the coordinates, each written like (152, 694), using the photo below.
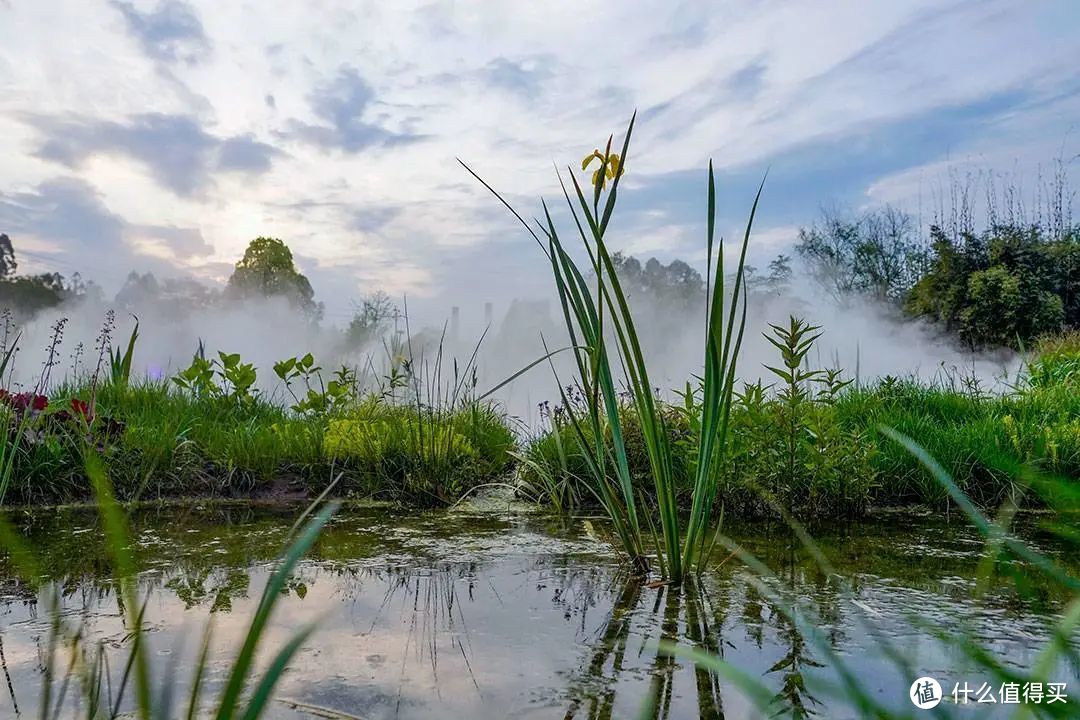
(491, 614)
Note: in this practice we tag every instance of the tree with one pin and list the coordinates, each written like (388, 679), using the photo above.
(267, 270)
(877, 253)
(675, 285)
(27, 294)
(370, 318)
(775, 283)
(8, 266)
(1007, 286)
(138, 291)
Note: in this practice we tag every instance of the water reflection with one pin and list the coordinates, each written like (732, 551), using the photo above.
(479, 615)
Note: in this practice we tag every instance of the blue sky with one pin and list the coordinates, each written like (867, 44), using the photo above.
(163, 136)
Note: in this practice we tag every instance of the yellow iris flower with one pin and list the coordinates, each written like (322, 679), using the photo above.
(610, 167)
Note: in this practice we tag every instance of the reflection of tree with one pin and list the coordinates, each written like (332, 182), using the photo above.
(191, 588)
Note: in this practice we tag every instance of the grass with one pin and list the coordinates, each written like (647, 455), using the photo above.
(843, 463)
(414, 439)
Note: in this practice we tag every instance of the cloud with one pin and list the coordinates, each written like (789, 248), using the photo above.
(175, 149)
(746, 82)
(66, 212)
(70, 225)
(525, 76)
(843, 106)
(373, 218)
(170, 33)
(246, 154)
(344, 105)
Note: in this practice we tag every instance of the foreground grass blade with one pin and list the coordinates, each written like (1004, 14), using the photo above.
(244, 661)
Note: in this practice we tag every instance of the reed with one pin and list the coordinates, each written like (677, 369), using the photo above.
(593, 313)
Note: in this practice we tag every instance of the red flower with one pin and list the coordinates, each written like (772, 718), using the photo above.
(26, 400)
(81, 409)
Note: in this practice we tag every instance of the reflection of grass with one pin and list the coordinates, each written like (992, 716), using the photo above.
(77, 676)
(671, 615)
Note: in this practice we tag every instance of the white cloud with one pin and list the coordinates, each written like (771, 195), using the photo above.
(740, 83)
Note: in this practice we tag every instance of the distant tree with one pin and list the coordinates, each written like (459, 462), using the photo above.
(138, 290)
(28, 294)
(267, 270)
(8, 266)
(171, 297)
(371, 317)
(877, 253)
(775, 283)
(187, 293)
(676, 284)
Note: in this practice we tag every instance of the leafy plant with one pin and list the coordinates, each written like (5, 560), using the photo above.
(793, 342)
(235, 379)
(197, 378)
(120, 364)
(317, 397)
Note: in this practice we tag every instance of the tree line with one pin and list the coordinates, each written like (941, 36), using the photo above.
(267, 269)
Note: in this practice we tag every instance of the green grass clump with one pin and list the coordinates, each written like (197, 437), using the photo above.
(1056, 360)
(836, 474)
(969, 434)
(426, 457)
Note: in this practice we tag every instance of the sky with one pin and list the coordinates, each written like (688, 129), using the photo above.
(163, 136)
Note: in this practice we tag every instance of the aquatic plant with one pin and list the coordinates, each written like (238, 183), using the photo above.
(591, 316)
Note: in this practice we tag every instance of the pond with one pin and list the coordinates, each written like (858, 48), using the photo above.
(491, 613)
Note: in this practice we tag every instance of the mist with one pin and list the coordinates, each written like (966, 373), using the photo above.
(867, 339)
